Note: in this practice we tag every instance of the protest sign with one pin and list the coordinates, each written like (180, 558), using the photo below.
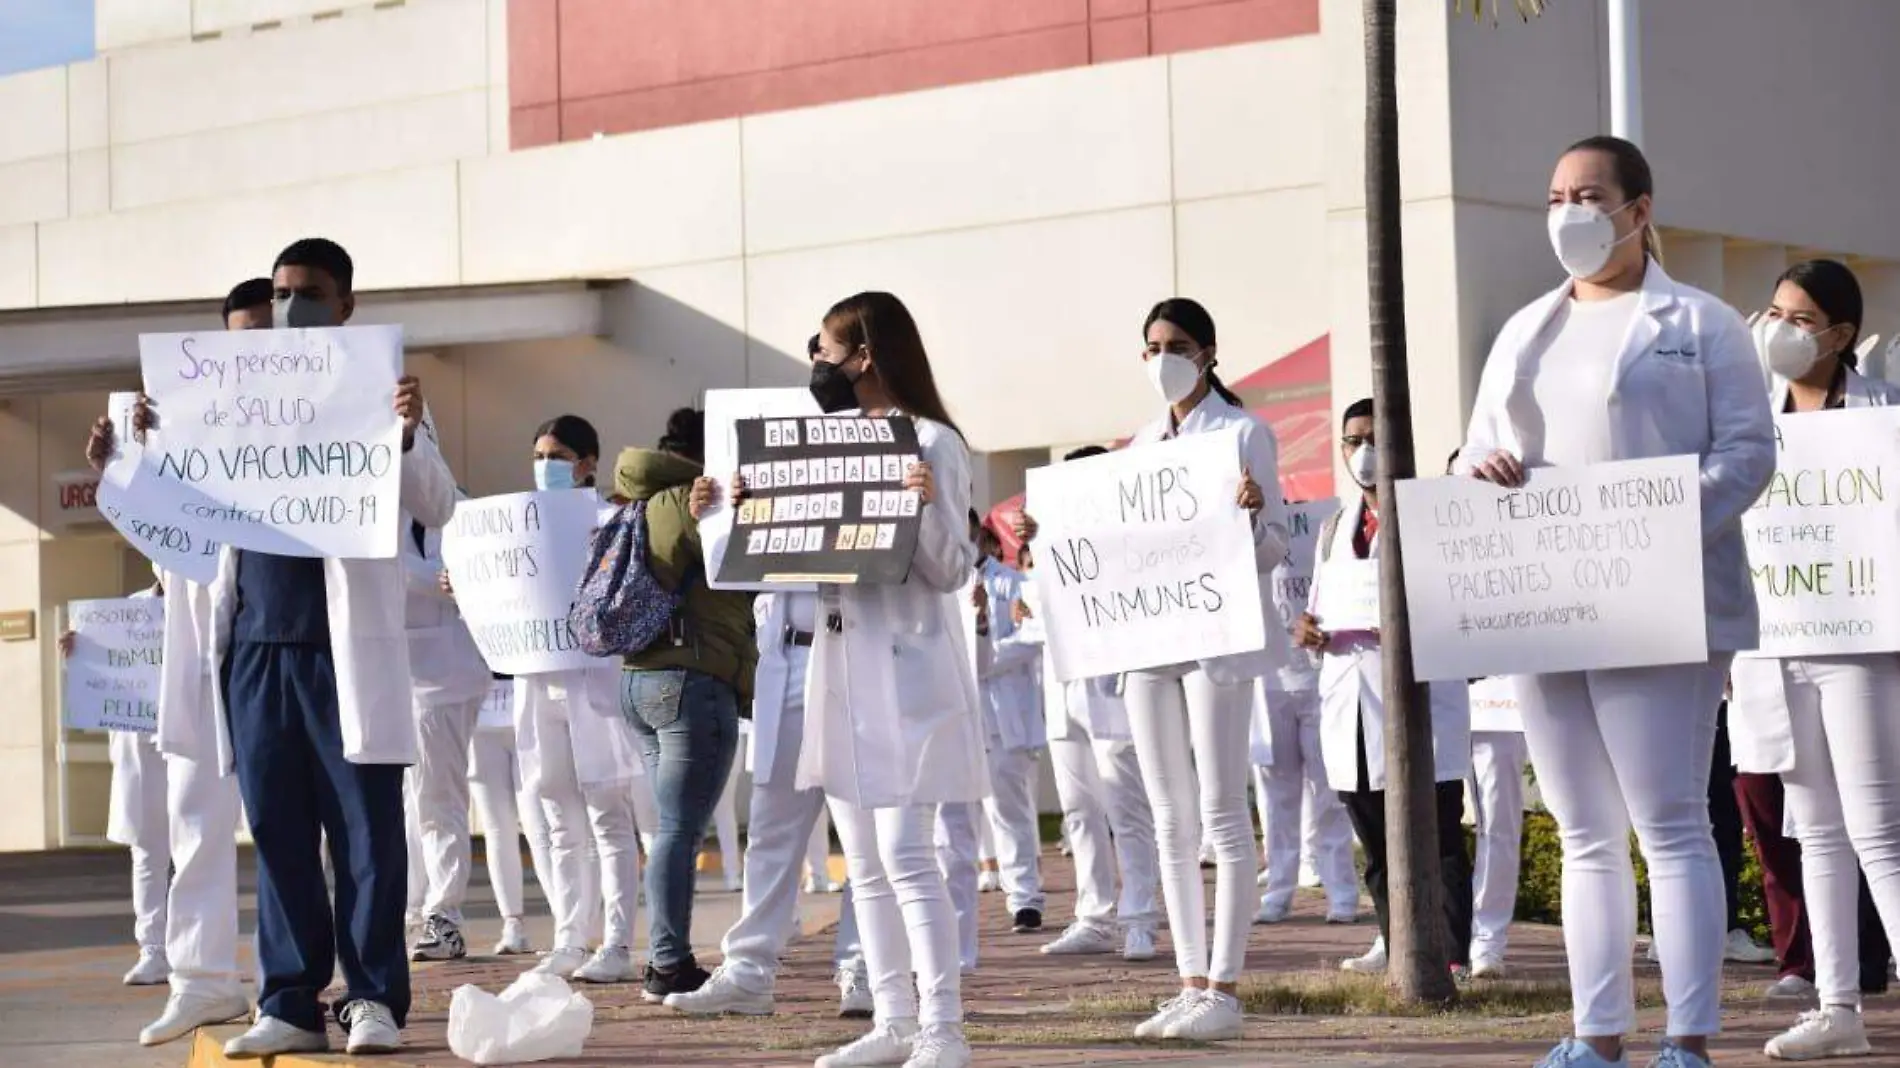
(1144, 558)
(1824, 539)
(112, 674)
(278, 441)
(498, 708)
(1494, 705)
(1348, 595)
(142, 510)
(1293, 580)
(825, 501)
(515, 561)
(1579, 569)
(724, 409)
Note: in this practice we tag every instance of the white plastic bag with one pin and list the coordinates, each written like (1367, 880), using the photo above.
(536, 1019)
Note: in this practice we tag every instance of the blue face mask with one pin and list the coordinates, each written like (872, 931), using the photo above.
(554, 474)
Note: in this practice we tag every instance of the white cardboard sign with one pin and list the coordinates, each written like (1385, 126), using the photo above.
(279, 441)
(498, 708)
(1293, 580)
(112, 674)
(1580, 569)
(1824, 540)
(1144, 557)
(142, 510)
(1494, 705)
(1348, 595)
(724, 409)
(515, 561)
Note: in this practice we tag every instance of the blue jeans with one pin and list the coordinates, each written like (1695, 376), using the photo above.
(687, 725)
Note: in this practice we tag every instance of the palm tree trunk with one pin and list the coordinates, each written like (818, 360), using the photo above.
(1418, 969)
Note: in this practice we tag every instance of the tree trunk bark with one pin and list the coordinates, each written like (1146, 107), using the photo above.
(1419, 969)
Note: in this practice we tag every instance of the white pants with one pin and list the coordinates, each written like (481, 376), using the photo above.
(1496, 789)
(1633, 747)
(201, 933)
(818, 851)
(957, 838)
(905, 918)
(1844, 798)
(1011, 810)
(1190, 731)
(494, 780)
(985, 836)
(1109, 825)
(139, 822)
(441, 795)
(601, 881)
(1294, 781)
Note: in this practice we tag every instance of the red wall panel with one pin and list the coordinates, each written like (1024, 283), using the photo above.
(577, 67)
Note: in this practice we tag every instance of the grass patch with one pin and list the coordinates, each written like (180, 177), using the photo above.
(1342, 994)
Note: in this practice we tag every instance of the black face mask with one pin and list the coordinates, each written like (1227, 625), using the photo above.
(832, 388)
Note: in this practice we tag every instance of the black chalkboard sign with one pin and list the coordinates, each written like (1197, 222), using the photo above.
(825, 502)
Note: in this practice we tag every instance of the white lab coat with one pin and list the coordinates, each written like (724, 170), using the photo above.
(444, 661)
(1761, 735)
(1260, 457)
(368, 627)
(1094, 703)
(892, 716)
(601, 743)
(771, 612)
(1006, 677)
(135, 807)
(1351, 686)
(1687, 382)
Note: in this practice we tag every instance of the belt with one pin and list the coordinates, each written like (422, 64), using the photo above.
(799, 638)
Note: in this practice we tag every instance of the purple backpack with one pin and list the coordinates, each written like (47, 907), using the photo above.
(620, 607)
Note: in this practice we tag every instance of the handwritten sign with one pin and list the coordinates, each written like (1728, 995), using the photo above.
(1582, 568)
(724, 409)
(279, 441)
(515, 561)
(498, 708)
(1348, 596)
(826, 501)
(1144, 559)
(1293, 580)
(112, 674)
(143, 510)
(1494, 705)
(1824, 540)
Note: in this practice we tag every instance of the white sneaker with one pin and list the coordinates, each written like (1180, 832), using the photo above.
(151, 970)
(721, 995)
(1791, 988)
(886, 1046)
(1309, 876)
(185, 1013)
(271, 1036)
(1155, 1025)
(823, 886)
(1342, 915)
(854, 995)
(940, 1046)
(1272, 911)
(563, 962)
(734, 884)
(1742, 949)
(1080, 939)
(514, 938)
(1487, 967)
(1373, 963)
(372, 1028)
(609, 964)
(1214, 1017)
(1832, 1031)
(1138, 945)
(988, 882)
(1261, 879)
(1208, 857)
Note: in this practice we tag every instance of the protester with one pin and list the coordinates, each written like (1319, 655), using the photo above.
(1823, 723)
(506, 809)
(1600, 370)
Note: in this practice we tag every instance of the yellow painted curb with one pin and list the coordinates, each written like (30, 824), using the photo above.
(207, 1051)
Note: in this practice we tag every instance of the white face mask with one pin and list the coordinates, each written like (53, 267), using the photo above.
(1583, 237)
(1363, 465)
(1788, 350)
(1174, 376)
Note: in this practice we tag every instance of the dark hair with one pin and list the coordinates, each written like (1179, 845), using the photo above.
(574, 432)
(1359, 409)
(685, 434)
(880, 322)
(1452, 460)
(1832, 286)
(1085, 452)
(1632, 172)
(812, 346)
(250, 293)
(1194, 321)
(323, 254)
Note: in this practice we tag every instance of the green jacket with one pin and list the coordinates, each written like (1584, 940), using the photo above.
(719, 627)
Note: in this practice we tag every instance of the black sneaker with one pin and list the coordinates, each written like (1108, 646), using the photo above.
(1028, 921)
(684, 979)
(441, 940)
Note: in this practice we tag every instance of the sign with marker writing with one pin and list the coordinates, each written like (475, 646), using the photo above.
(1348, 596)
(1824, 539)
(1293, 580)
(1494, 705)
(825, 501)
(724, 409)
(143, 510)
(515, 561)
(1144, 558)
(112, 675)
(279, 441)
(1581, 568)
(498, 708)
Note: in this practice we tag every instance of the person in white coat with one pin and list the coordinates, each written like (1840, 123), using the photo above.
(1191, 721)
(1825, 723)
(1013, 722)
(1620, 363)
(310, 681)
(1495, 791)
(893, 726)
(507, 811)
(1352, 704)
